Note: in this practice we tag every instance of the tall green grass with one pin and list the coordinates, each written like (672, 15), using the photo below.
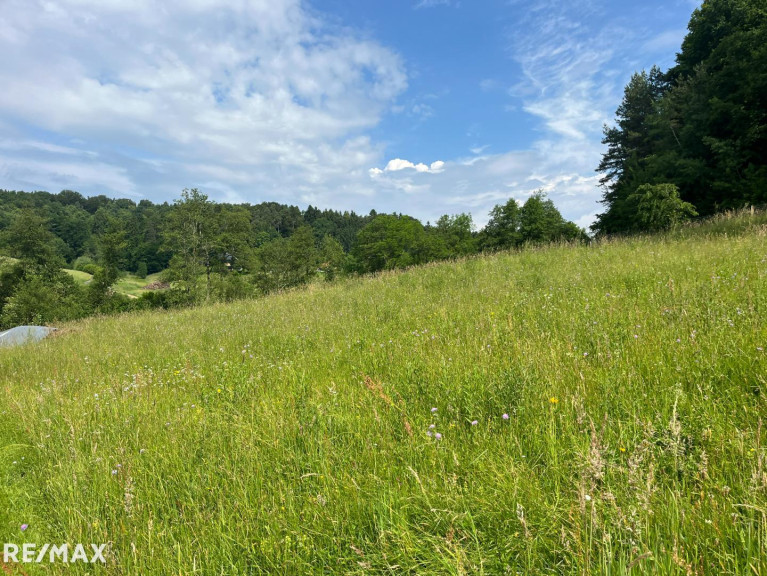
(290, 435)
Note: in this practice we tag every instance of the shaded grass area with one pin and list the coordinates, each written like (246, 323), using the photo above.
(133, 285)
(127, 283)
(79, 275)
(293, 434)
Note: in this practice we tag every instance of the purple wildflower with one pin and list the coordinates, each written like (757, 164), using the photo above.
(505, 416)
(432, 426)
(474, 422)
(24, 527)
(438, 436)
(433, 410)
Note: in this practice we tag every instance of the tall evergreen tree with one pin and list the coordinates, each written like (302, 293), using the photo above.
(701, 127)
(629, 148)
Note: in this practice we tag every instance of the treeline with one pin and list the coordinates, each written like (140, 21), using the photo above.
(209, 251)
(692, 140)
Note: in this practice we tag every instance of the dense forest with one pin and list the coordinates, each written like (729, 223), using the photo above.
(692, 140)
(209, 251)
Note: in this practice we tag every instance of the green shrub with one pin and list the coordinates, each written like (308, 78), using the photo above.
(659, 207)
(141, 270)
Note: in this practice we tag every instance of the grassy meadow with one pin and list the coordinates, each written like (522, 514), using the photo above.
(568, 410)
(128, 284)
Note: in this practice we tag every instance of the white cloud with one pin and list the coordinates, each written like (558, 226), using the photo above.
(398, 164)
(262, 90)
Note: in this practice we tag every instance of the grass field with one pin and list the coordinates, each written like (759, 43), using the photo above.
(133, 285)
(570, 410)
(79, 275)
(127, 284)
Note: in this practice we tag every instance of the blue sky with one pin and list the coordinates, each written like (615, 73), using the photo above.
(425, 107)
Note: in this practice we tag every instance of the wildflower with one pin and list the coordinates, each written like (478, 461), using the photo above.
(23, 527)
(219, 390)
(429, 433)
(142, 451)
(438, 436)
(433, 410)
(474, 422)
(432, 426)
(588, 498)
(622, 449)
(554, 400)
(114, 472)
(505, 416)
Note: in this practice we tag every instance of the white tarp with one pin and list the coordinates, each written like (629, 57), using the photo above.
(23, 335)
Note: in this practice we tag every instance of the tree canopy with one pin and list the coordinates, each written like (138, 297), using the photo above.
(701, 126)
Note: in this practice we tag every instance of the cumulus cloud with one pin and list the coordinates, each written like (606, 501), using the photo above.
(257, 88)
(398, 164)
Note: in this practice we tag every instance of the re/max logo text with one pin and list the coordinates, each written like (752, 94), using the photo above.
(30, 553)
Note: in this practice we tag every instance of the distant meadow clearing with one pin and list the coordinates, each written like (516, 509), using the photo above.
(568, 410)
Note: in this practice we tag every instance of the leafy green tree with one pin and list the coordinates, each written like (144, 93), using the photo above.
(502, 230)
(270, 269)
(659, 207)
(302, 256)
(71, 224)
(235, 243)
(286, 262)
(540, 221)
(39, 299)
(390, 241)
(192, 236)
(141, 270)
(720, 103)
(332, 257)
(29, 239)
(456, 234)
(112, 247)
(11, 275)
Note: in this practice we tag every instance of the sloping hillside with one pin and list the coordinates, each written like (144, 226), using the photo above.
(565, 410)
